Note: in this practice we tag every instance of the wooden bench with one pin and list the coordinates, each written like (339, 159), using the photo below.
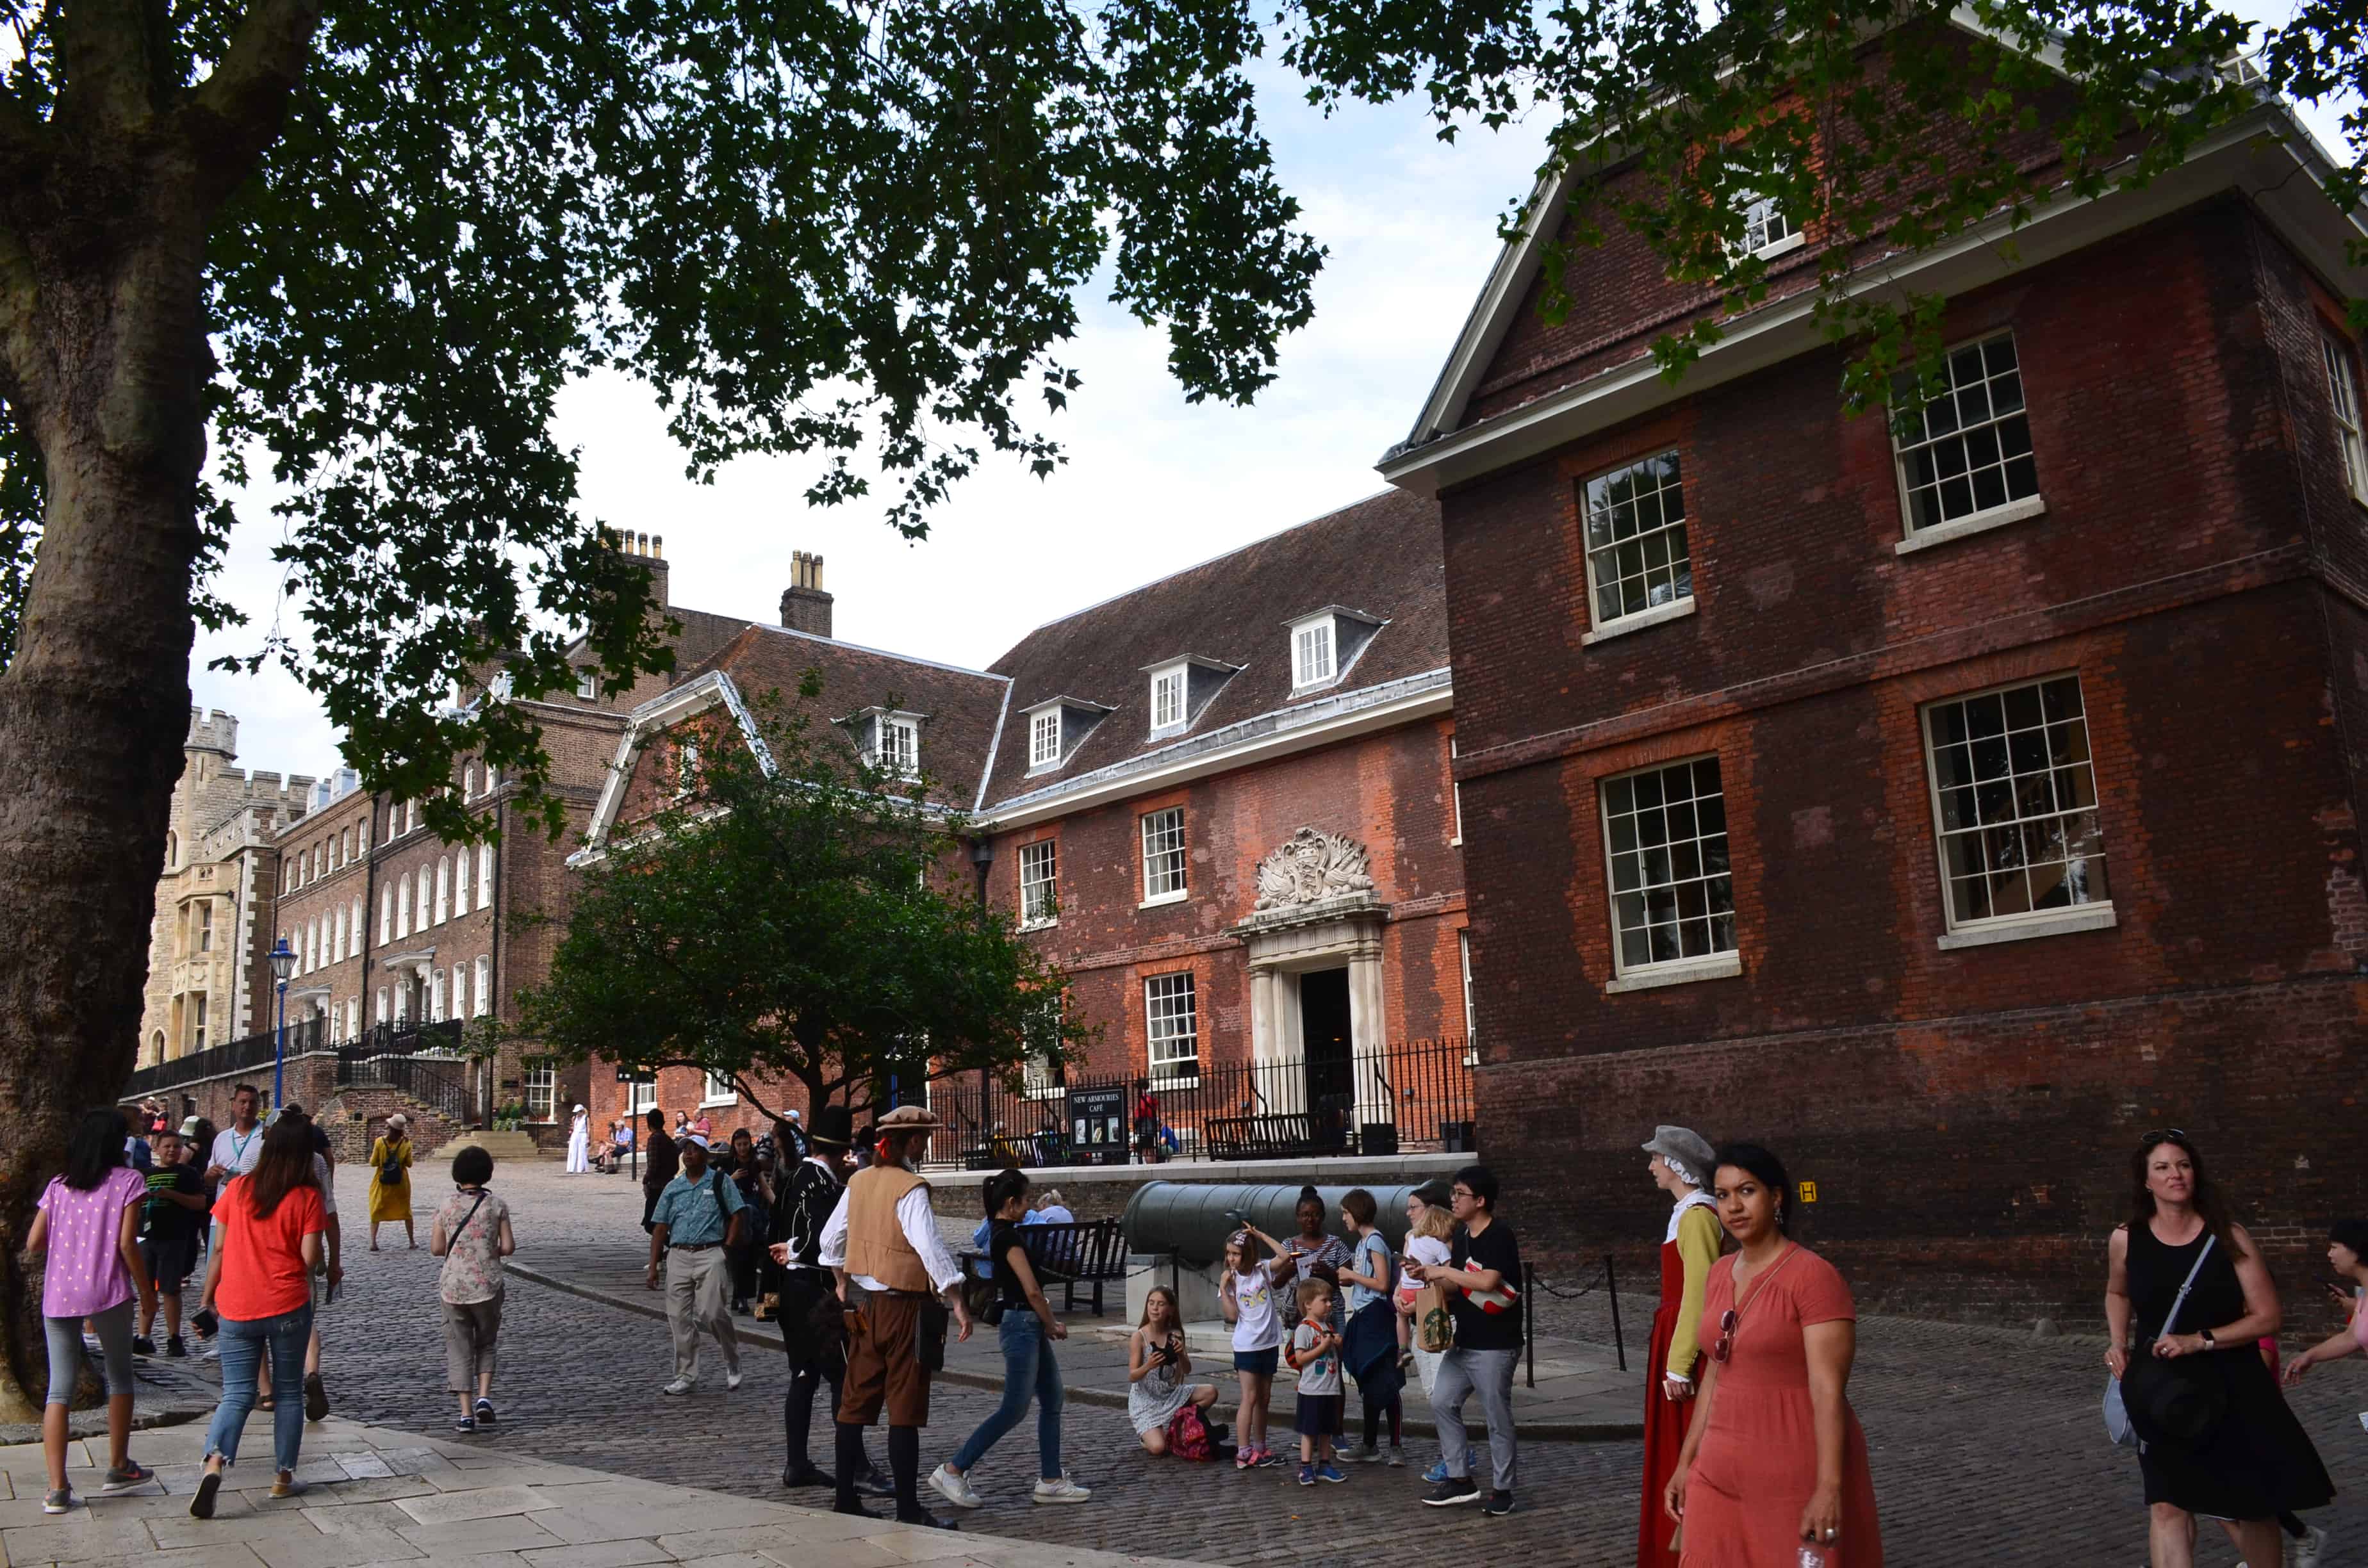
(1088, 1253)
(1278, 1135)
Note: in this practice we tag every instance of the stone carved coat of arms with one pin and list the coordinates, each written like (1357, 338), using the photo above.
(1310, 866)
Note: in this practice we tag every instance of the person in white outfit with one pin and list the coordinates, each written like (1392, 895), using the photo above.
(579, 1143)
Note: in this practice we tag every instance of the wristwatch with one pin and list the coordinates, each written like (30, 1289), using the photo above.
(2210, 1343)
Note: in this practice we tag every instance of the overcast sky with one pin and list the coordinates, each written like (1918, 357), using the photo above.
(1153, 485)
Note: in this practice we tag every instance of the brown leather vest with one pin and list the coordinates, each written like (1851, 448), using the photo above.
(875, 1242)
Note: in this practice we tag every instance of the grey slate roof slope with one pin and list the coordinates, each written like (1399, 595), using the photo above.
(1382, 556)
(960, 706)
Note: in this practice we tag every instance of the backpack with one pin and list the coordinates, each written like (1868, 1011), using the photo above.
(1188, 1434)
(390, 1173)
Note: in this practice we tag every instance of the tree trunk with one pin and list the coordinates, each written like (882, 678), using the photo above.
(108, 367)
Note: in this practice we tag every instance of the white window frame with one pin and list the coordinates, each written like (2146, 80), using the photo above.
(2013, 508)
(1717, 963)
(484, 1002)
(1157, 885)
(1043, 739)
(443, 889)
(686, 768)
(2089, 915)
(403, 907)
(539, 1078)
(1471, 1014)
(2343, 394)
(588, 684)
(436, 1014)
(461, 881)
(1679, 585)
(360, 928)
(710, 1095)
(1045, 854)
(1038, 1079)
(1767, 230)
(427, 896)
(896, 746)
(485, 874)
(1315, 651)
(1161, 993)
(386, 913)
(1454, 794)
(386, 1009)
(1171, 696)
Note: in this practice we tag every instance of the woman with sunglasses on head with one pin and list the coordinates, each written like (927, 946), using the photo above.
(2253, 1463)
(1773, 1473)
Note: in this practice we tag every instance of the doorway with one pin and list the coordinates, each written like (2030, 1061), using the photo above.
(1323, 1037)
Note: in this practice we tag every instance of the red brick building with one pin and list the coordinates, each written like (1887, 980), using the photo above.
(1221, 802)
(1941, 812)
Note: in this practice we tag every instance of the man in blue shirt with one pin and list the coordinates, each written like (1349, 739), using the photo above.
(696, 1215)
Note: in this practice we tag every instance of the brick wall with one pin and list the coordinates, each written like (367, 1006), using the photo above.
(1966, 1113)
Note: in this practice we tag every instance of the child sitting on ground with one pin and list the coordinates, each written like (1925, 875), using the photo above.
(1316, 1357)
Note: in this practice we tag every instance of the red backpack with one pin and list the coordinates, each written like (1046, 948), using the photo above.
(1188, 1434)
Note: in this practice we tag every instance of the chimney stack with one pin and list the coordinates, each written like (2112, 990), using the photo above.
(650, 551)
(805, 607)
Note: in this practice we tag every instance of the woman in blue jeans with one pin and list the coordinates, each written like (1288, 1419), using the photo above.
(268, 1230)
(1028, 1331)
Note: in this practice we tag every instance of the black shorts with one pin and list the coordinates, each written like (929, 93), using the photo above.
(1319, 1416)
(168, 1259)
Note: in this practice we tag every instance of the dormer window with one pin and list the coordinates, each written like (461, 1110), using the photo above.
(1167, 689)
(1057, 727)
(896, 746)
(588, 684)
(1768, 228)
(1044, 738)
(1312, 661)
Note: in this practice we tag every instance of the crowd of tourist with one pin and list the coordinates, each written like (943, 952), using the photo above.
(1753, 1455)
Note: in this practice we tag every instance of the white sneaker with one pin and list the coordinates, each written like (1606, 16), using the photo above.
(1061, 1490)
(731, 1380)
(2307, 1549)
(680, 1385)
(955, 1489)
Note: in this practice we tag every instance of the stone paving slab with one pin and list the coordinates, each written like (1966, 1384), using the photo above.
(563, 1515)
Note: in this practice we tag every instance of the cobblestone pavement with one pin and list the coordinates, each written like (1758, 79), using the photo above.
(1986, 1444)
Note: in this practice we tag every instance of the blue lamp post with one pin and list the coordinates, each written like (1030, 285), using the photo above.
(283, 964)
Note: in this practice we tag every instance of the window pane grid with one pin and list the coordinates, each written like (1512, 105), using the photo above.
(2015, 801)
(542, 1087)
(899, 747)
(1969, 450)
(1764, 224)
(1172, 1023)
(1636, 552)
(2343, 392)
(1168, 699)
(1037, 871)
(1312, 647)
(1162, 852)
(1672, 889)
(1044, 739)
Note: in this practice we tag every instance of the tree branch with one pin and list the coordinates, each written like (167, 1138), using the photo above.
(236, 111)
(102, 58)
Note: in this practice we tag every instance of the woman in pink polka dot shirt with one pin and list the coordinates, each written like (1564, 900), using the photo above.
(88, 1227)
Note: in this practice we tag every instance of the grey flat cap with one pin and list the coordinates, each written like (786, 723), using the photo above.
(1685, 1148)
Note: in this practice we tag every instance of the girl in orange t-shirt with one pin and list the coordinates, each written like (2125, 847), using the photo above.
(268, 1242)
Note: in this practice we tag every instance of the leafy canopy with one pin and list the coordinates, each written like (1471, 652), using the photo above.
(796, 913)
(852, 228)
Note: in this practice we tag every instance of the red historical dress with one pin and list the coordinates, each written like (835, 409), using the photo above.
(1691, 1247)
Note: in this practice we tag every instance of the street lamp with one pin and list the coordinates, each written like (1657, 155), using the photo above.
(283, 964)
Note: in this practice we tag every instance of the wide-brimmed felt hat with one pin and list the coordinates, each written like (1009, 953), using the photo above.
(908, 1119)
(1687, 1150)
(834, 1128)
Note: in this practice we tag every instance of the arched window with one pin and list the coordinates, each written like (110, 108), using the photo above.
(427, 886)
(172, 861)
(484, 875)
(469, 782)
(386, 917)
(157, 1049)
(436, 1003)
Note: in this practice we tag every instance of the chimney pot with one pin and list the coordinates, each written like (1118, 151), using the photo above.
(805, 607)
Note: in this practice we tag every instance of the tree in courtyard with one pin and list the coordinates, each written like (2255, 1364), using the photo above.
(797, 913)
(362, 248)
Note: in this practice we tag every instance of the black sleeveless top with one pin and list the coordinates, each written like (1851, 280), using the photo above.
(2156, 1270)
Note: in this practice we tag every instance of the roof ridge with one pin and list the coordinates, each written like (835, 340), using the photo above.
(883, 652)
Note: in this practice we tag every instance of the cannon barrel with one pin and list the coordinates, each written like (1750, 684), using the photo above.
(1193, 1219)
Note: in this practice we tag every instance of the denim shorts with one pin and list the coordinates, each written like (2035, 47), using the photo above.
(1260, 1363)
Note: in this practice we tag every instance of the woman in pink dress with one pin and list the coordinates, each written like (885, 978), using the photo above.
(1773, 1473)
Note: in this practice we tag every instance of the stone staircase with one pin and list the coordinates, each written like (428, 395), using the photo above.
(511, 1145)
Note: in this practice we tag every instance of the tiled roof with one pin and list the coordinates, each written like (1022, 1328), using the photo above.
(962, 706)
(1382, 557)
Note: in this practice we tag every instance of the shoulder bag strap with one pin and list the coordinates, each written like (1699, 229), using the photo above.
(2189, 1284)
(464, 1225)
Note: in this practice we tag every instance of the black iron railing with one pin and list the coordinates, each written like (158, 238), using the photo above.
(421, 1061)
(238, 1056)
(1413, 1096)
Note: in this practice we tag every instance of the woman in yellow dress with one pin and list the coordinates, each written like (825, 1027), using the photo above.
(390, 1201)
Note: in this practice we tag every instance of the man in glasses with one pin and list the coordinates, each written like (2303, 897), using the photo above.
(1483, 1275)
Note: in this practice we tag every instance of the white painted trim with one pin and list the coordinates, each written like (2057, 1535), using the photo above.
(2024, 927)
(1179, 896)
(1972, 523)
(994, 744)
(2266, 154)
(1680, 971)
(1677, 609)
(1268, 736)
(1791, 242)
